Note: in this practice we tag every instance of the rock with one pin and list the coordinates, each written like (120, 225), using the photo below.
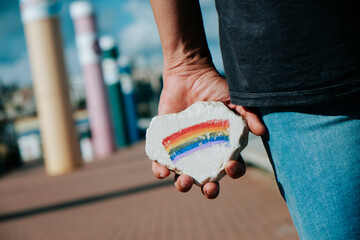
(198, 141)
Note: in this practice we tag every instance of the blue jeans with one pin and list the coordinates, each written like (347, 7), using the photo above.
(315, 153)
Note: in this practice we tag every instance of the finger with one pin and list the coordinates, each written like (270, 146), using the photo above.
(235, 169)
(160, 171)
(183, 183)
(211, 190)
(253, 121)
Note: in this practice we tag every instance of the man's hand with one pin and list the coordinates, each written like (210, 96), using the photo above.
(185, 85)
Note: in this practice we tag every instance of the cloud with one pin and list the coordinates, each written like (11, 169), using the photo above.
(16, 72)
(140, 36)
(19, 71)
(72, 60)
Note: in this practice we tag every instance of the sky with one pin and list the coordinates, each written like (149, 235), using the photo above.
(130, 22)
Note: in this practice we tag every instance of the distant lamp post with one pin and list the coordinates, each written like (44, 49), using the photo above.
(128, 90)
(111, 77)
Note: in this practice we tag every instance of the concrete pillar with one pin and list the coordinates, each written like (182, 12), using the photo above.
(103, 140)
(42, 31)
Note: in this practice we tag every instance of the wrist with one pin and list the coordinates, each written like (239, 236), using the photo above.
(184, 61)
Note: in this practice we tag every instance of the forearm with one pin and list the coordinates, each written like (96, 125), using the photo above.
(181, 31)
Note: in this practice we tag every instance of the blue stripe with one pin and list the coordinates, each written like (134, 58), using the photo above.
(197, 144)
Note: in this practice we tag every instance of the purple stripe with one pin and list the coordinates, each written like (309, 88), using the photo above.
(206, 145)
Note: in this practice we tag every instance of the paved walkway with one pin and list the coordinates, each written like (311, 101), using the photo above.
(118, 198)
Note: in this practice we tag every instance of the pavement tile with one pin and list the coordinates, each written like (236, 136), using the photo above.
(118, 198)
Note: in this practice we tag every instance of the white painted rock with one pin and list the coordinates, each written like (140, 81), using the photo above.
(198, 141)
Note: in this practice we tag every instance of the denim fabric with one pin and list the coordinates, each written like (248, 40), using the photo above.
(315, 152)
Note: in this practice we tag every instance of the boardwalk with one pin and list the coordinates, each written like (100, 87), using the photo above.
(118, 198)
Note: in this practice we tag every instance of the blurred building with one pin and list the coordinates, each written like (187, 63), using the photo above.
(9, 153)
(148, 86)
(23, 101)
(77, 91)
(29, 141)
(28, 138)
(84, 134)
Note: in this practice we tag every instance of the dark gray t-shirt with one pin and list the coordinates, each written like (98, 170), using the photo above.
(290, 52)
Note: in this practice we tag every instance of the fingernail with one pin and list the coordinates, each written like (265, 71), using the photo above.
(184, 184)
(233, 169)
(210, 193)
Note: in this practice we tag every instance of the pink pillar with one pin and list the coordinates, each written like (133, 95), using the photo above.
(97, 101)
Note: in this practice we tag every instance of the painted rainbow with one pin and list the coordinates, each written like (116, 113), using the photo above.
(196, 137)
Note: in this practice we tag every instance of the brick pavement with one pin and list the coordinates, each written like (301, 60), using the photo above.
(118, 198)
